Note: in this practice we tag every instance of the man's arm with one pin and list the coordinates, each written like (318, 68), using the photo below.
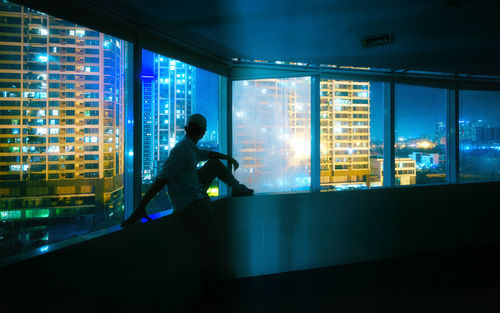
(158, 185)
(140, 211)
(221, 156)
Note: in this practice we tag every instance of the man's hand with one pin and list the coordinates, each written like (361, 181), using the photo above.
(233, 162)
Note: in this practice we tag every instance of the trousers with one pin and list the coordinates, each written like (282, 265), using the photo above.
(200, 219)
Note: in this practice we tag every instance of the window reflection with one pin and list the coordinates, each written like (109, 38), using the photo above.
(479, 136)
(272, 133)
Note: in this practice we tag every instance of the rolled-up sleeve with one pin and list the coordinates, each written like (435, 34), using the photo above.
(173, 165)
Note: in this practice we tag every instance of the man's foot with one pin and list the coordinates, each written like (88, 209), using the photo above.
(134, 217)
(242, 190)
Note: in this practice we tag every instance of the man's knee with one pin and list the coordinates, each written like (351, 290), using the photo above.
(216, 163)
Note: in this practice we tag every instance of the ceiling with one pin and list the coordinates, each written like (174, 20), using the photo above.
(453, 36)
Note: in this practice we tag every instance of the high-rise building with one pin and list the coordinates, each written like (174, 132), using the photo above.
(61, 118)
(168, 99)
(440, 133)
(345, 132)
(283, 126)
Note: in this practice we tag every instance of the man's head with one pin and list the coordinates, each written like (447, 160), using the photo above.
(196, 126)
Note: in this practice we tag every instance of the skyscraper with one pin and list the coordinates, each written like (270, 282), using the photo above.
(168, 99)
(279, 119)
(345, 132)
(61, 118)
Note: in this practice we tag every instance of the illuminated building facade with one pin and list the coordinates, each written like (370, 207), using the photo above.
(404, 171)
(61, 118)
(345, 132)
(168, 99)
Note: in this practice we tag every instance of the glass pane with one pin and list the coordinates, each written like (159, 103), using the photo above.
(420, 152)
(62, 101)
(172, 91)
(479, 136)
(272, 133)
(351, 121)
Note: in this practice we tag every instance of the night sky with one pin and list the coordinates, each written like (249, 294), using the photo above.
(419, 109)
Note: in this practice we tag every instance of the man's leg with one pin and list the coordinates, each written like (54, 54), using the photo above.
(200, 217)
(214, 168)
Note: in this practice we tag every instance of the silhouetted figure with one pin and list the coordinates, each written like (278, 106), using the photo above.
(187, 187)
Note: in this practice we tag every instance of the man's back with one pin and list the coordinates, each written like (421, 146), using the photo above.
(181, 174)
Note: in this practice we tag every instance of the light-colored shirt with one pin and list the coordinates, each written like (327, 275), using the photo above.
(180, 171)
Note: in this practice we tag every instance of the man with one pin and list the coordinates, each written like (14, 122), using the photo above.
(186, 184)
(187, 188)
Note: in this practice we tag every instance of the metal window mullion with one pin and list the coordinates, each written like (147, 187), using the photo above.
(229, 117)
(315, 133)
(229, 122)
(389, 134)
(137, 123)
(223, 127)
(452, 144)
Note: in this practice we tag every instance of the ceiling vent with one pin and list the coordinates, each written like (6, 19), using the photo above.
(377, 40)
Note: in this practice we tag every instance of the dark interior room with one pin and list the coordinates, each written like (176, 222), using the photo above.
(363, 136)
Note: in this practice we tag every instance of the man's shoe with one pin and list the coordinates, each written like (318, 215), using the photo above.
(241, 191)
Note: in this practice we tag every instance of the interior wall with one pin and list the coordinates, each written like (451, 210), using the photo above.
(263, 234)
(278, 233)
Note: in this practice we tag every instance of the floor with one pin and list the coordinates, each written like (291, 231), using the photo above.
(465, 280)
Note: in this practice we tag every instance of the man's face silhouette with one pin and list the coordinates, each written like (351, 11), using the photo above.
(195, 132)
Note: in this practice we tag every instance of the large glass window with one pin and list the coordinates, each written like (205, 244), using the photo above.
(172, 91)
(420, 151)
(61, 163)
(351, 127)
(272, 133)
(479, 135)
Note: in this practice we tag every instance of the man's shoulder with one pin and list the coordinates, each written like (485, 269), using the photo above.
(180, 147)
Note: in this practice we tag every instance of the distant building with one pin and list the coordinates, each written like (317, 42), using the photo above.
(488, 136)
(345, 132)
(440, 133)
(425, 160)
(405, 171)
(469, 130)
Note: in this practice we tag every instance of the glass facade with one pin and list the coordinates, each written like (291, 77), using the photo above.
(62, 100)
(171, 91)
(272, 133)
(479, 136)
(420, 151)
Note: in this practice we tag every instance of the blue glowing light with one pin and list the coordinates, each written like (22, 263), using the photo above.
(44, 248)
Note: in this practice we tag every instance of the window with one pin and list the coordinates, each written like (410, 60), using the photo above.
(420, 152)
(272, 133)
(351, 134)
(31, 184)
(162, 125)
(479, 136)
